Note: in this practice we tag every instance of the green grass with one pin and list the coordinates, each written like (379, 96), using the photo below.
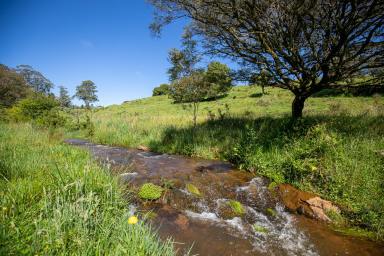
(56, 201)
(332, 151)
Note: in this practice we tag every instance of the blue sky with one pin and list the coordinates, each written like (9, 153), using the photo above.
(105, 41)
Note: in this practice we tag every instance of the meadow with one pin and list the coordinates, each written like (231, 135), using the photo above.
(336, 150)
(55, 200)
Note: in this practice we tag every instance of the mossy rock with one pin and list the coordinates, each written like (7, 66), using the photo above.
(193, 189)
(150, 191)
(236, 207)
(259, 229)
(271, 212)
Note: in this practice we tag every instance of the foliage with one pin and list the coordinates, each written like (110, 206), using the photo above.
(64, 98)
(12, 87)
(35, 79)
(56, 201)
(192, 89)
(183, 61)
(306, 46)
(162, 89)
(40, 109)
(236, 207)
(87, 93)
(219, 79)
(150, 191)
(193, 189)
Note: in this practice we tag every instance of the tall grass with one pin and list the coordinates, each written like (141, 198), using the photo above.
(333, 151)
(56, 201)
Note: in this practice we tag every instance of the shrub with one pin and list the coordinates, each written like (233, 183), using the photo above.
(150, 191)
(162, 89)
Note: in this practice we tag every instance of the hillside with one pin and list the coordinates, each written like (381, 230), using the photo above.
(334, 151)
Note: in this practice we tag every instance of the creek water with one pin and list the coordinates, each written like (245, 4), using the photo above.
(205, 224)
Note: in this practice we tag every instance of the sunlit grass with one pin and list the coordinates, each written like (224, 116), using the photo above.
(56, 201)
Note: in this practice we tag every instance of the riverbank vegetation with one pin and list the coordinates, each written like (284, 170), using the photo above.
(55, 200)
(335, 150)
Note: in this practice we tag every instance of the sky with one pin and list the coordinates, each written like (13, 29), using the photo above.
(106, 41)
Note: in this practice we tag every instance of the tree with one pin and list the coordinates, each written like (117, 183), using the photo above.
(162, 89)
(305, 45)
(190, 89)
(183, 61)
(218, 78)
(87, 93)
(12, 87)
(35, 79)
(64, 98)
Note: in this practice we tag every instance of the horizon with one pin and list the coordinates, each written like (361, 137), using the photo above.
(107, 42)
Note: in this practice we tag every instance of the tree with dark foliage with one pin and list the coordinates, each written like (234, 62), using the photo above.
(87, 93)
(305, 45)
(35, 79)
(12, 87)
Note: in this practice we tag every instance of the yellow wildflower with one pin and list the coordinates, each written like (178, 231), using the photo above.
(133, 220)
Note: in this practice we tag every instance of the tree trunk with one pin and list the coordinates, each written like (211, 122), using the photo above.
(297, 106)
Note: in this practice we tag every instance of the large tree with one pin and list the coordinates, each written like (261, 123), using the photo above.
(87, 93)
(305, 45)
(12, 87)
(35, 79)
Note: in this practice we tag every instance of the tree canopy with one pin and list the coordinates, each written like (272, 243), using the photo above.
(305, 45)
(35, 79)
(64, 98)
(12, 87)
(87, 93)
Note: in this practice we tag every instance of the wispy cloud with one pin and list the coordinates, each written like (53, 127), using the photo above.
(86, 44)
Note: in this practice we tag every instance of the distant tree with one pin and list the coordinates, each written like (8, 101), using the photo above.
(305, 45)
(218, 78)
(64, 98)
(12, 87)
(262, 79)
(190, 89)
(183, 61)
(163, 89)
(35, 79)
(87, 93)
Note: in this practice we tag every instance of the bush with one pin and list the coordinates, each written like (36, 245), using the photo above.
(150, 191)
(42, 110)
(163, 89)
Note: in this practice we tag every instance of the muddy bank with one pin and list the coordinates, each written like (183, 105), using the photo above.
(207, 221)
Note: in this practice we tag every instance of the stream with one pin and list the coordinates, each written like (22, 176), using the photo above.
(204, 224)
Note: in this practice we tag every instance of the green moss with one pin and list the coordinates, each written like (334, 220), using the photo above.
(356, 232)
(193, 189)
(271, 212)
(150, 191)
(236, 207)
(272, 186)
(259, 229)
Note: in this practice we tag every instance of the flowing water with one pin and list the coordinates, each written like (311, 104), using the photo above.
(205, 224)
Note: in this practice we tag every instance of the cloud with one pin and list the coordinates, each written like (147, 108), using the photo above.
(86, 44)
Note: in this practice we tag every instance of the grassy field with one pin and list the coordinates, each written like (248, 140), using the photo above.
(56, 201)
(334, 151)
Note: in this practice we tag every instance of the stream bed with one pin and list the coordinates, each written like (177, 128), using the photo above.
(204, 224)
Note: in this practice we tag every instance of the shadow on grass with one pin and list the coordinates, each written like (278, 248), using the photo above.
(216, 137)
